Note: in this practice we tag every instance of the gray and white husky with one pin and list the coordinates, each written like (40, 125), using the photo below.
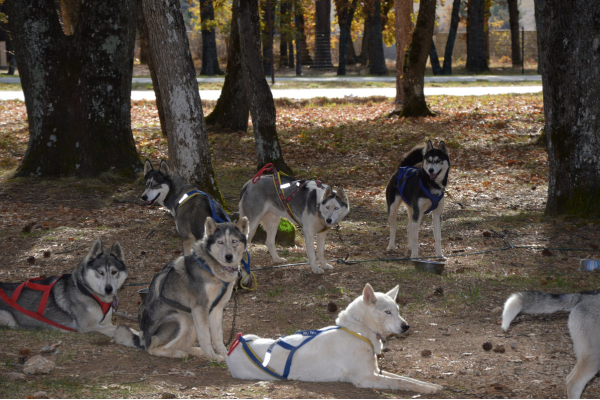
(80, 301)
(420, 192)
(317, 208)
(167, 189)
(584, 327)
(344, 353)
(186, 299)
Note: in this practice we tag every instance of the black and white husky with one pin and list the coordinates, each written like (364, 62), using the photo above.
(316, 207)
(421, 190)
(80, 301)
(584, 327)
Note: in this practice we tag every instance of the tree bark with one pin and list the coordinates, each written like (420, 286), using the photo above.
(210, 61)
(567, 32)
(77, 88)
(434, 60)
(283, 39)
(345, 12)
(404, 9)
(376, 57)
(447, 68)
(266, 43)
(322, 34)
(366, 41)
(486, 28)
(306, 58)
(476, 61)
(69, 13)
(291, 54)
(189, 152)
(414, 65)
(351, 58)
(232, 109)
(262, 106)
(515, 43)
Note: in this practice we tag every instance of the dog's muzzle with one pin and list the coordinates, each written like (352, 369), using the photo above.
(148, 203)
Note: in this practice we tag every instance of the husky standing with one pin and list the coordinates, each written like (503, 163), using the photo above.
(186, 299)
(584, 327)
(315, 206)
(346, 352)
(189, 210)
(79, 302)
(421, 190)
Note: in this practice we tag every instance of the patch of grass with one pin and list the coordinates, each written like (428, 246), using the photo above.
(274, 292)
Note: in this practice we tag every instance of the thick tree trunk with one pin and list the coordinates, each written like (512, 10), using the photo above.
(266, 42)
(404, 9)
(262, 107)
(298, 22)
(366, 41)
(189, 152)
(515, 42)
(322, 34)
(447, 68)
(77, 88)
(414, 65)
(306, 58)
(376, 56)
(434, 60)
(567, 31)
(210, 61)
(232, 109)
(291, 62)
(345, 12)
(476, 61)
(486, 28)
(283, 33)
(351, 58)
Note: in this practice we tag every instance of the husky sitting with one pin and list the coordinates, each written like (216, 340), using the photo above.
(343, 353)
(421, 190)
(316, 207)
(584, 327)
(190, 211)
(81, 301)
(186, 299)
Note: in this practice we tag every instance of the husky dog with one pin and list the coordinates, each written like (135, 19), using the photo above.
(80, 301)
(421, 189)
(343, 353)
(169, 190)
(584, 327)
(316, 207)
(186, 299)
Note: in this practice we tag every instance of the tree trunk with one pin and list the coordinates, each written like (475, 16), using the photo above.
(351, 58)
(364, 50)
(262, 107)
(404, 9)
(284, 28)
(77, 88)
(486, 28)
(515, 43)
(189, 152)
(306, 58)
(291, 54)
(567, 32)
(476, 61)
(322, 34)
(210, 61)
(345, 12)
(266, 43)
(299, 24)
(376, 56)
(232, 109)
(414, 63)
(447, 68)
(434, 60)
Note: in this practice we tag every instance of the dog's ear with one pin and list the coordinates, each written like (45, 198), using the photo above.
(96, 250)
(209, 226)
(244, 226)
(327, 193)
(369, 295)
(117, 251)
(164, 168)
(394, 292)
(340, 193)
(148, 167)
(428, 147)
(442, 147)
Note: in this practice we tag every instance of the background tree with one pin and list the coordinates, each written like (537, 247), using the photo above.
(454, 19)
(476, 61)
(515, 46)
(301, 28)
(177, 89)
(266, 38)
(403, 25)
(434, 60)
(322, 34)
(77, 88)
(376, 56)
(210, 61)
(345, 12)
(262, 106)
(567, 31)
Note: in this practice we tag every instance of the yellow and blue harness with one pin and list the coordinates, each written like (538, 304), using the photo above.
(404, 174)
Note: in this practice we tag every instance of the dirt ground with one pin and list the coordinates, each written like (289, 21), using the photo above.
(496, 196)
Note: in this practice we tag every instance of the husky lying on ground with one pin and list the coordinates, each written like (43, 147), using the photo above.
(188, 209)
(344, 353)
(421, 190)
(584, 327)
(316, 207)
(80, 301)
(186, 299)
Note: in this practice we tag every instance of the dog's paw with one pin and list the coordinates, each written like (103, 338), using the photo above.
(432, 388)
(279, 260)
(390, 248)
(221, 359)
(316, 270)
(324, 265)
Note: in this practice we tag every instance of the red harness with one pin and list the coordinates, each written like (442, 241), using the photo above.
(46, 288)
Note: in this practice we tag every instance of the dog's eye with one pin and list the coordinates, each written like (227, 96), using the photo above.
(113, 272)
(234, 241)
(219, 241)
(388, 312)
(100, 272)
(337, 208)
(327, 207)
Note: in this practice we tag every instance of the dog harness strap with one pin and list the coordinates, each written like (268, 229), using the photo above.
(358, 335)
(212, 203)
(220, 296)
(434, 199)
(105, 306)
(404, 173)
(284, 202)
(252, 356)
(169, 302)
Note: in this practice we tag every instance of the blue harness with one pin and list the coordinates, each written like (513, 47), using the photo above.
(404, 174)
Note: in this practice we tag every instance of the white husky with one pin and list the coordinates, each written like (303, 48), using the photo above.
(343, 353)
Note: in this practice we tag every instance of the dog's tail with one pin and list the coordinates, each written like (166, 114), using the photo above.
(536, 303)
(128, 337)
(413, 157)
